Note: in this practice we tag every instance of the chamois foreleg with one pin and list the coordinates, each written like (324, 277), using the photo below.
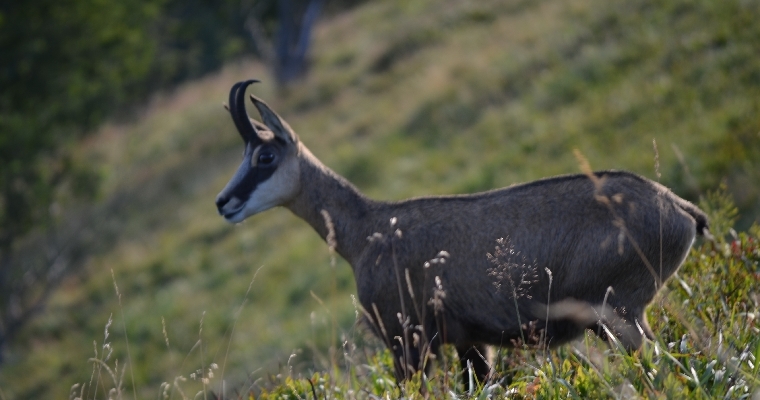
(473, 357)
(411, 354)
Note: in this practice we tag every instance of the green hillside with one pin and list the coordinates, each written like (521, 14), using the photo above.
(404, 99)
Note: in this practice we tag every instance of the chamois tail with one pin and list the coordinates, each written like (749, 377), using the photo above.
(699, 216)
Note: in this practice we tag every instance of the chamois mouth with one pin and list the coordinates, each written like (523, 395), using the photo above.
(231, 216)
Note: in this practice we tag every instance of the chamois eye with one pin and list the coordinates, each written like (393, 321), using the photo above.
(265, 158)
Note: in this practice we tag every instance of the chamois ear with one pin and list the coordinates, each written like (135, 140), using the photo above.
(277, 125)
(258, 125)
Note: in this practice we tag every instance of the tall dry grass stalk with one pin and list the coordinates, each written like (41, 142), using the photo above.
(232, 330)
(126, 337)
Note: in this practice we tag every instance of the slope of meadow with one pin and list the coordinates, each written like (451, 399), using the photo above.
(404, 99)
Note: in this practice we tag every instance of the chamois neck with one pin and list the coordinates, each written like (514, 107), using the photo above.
(348, 209)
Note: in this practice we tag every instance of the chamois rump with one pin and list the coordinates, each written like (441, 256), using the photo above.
(540, 261)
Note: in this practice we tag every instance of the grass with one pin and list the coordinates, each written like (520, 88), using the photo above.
(487, 94)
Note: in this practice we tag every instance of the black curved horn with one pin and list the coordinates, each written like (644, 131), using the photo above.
(237, 110)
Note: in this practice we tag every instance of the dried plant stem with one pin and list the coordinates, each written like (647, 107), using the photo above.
(545, 345)
(203, 366)
(234, 323)
(411, 293)
(604, 310)
(126, 339)
(517, 310)
(659, 195)
(332, 244)
(404, 316)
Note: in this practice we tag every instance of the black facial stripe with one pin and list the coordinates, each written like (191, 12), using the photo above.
(248, 177)
(250, 180)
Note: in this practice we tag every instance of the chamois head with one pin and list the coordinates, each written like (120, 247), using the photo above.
(269, 173)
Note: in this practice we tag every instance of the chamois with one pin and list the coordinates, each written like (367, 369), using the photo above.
(535, 262)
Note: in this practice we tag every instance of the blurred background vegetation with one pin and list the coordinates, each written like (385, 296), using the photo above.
(114, 143)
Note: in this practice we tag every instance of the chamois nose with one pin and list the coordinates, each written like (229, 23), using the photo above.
(221, 200)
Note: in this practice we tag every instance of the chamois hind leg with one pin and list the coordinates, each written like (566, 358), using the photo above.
(475, 356)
